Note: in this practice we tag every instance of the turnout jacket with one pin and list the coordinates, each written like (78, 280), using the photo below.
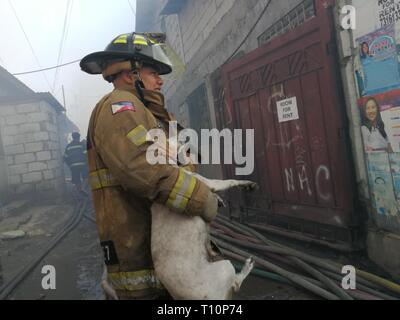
(124, 186)
(75, 154)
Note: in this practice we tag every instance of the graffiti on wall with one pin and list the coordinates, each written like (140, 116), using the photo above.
(379, 70)
(322, 174)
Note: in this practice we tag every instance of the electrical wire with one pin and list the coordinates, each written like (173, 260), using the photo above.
(133, 9)
(159, 20)
(251, 30)
(68, 11)
(134, 14)
(29, 42)
(69, 21)
(45, 69)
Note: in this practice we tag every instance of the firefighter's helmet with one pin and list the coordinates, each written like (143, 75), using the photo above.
(127, 52)
(76, 135)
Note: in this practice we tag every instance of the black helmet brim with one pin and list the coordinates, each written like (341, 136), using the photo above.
(95, 63)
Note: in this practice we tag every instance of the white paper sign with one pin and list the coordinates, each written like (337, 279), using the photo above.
(287, 110)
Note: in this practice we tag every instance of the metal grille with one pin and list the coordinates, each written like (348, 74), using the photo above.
(298, 16)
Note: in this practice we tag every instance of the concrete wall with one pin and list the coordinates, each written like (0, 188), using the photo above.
(378, 169)
(212, 31)
(3, 175)
(147, 13)
(205, 34)
(382, 203)
(384, 249)
(32, 148)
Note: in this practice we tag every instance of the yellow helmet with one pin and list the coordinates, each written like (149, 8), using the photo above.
(126, 52)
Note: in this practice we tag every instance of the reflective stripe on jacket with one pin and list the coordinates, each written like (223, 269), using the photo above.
(75, 154)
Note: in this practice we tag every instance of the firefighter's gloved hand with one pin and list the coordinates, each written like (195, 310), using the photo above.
(210, 208)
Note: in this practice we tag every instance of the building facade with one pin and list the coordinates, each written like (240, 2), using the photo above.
(30, 140)
(329, 173)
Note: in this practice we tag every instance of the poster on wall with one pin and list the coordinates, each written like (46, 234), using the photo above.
(380, 122)
(395, 168)
(381, 184)
(379, 63)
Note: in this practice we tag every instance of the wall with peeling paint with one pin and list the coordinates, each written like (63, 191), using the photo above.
(371, 72)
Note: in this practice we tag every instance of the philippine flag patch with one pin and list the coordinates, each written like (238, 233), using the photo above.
(122, 107)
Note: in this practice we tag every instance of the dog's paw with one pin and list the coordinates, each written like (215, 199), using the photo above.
(221, 202)
(249, 185)
(249, 265)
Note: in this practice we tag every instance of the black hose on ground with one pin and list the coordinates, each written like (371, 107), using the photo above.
(361, 286)
(7, 288)
(364, 284)
(379, 282)
(309, 269)
(323, 279)
(325, 264)
(356, 294)
(292, 277)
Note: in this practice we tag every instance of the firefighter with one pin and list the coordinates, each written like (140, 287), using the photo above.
(124, 185)
(75, 157)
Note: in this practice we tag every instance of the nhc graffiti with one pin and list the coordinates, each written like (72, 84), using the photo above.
(322, 173)
(378, 57)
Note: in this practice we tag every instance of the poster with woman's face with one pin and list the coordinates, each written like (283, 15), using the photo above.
(380, 67)
(380, 122)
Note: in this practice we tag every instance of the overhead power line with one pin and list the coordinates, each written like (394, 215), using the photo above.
(133, 12)
(68, 11)
(27, 39)
(46, 69)
(133, 9)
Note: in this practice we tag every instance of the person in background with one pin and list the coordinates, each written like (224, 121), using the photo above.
(75, 156)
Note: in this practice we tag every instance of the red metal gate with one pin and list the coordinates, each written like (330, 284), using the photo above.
(303, 166)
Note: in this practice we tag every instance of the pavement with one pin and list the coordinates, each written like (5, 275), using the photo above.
(78, 258)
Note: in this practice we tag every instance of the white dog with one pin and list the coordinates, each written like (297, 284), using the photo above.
(179, 246)
(181, 252)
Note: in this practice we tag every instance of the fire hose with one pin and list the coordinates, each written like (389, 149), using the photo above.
(319, 276)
